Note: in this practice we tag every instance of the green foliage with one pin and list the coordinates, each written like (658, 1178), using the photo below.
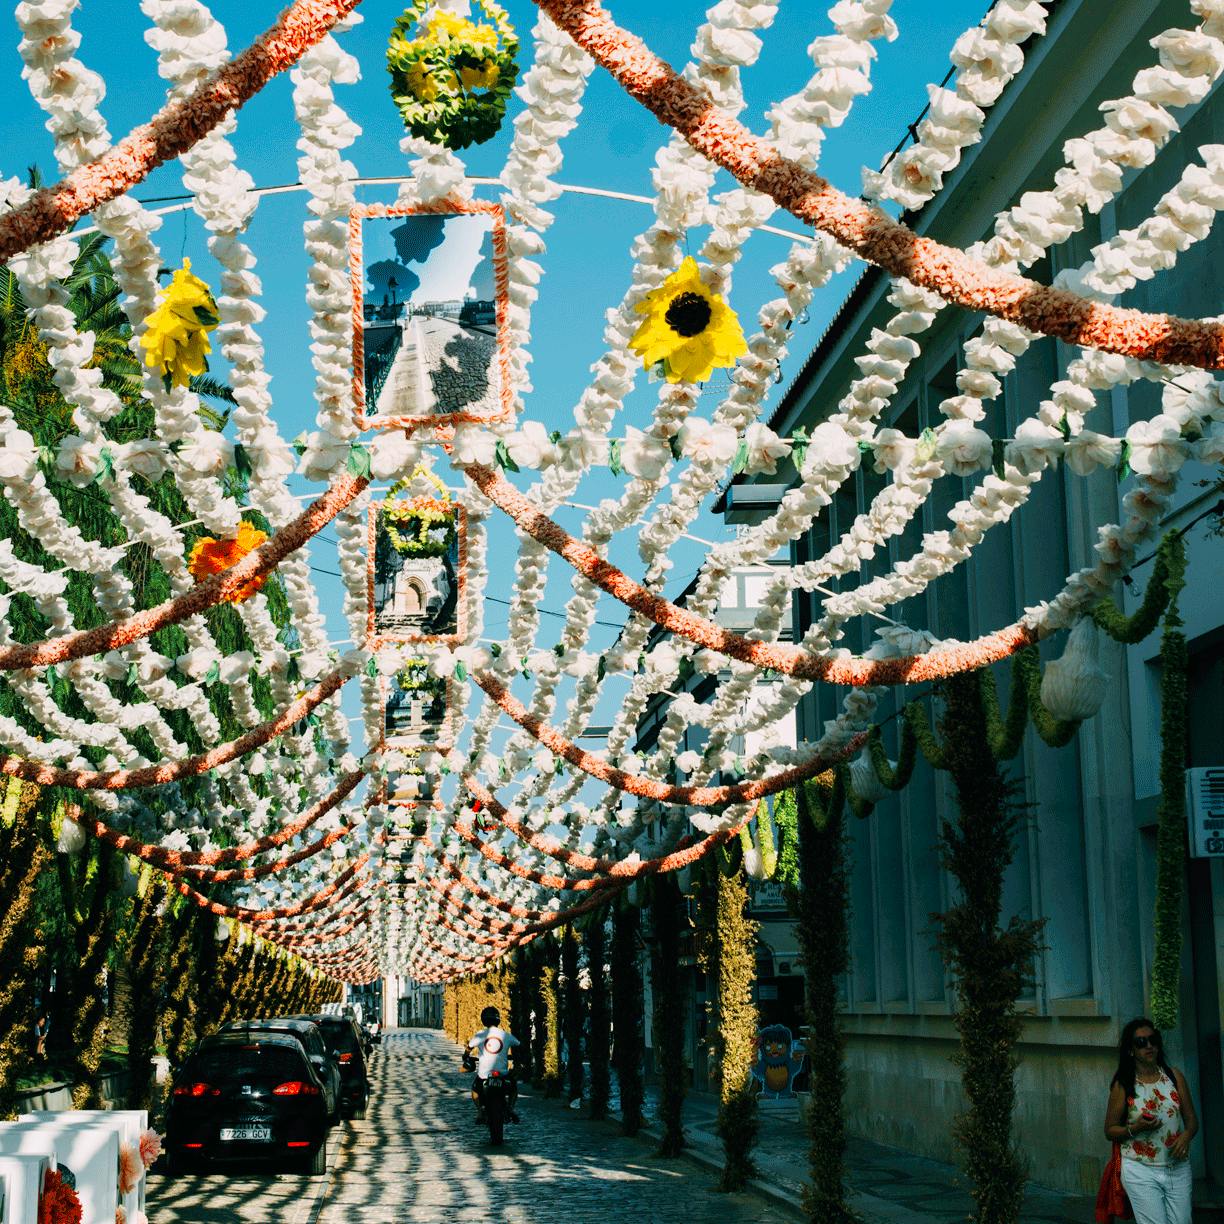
(668, 917)
(989, 964)
(786, 820)
(24, 857)
(550, 1011)
(735, 1034)
(822, 911)
(627, 1005)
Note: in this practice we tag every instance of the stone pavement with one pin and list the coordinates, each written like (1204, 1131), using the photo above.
(441, 366)
(419, 1159)
(890, 1186)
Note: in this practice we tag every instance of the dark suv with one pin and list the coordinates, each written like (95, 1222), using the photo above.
(247, 1095)
(343, 1041)
(307, 1032)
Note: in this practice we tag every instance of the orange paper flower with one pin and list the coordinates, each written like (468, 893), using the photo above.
(211, 556)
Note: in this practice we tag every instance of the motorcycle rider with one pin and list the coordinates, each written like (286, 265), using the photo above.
(489, 1051)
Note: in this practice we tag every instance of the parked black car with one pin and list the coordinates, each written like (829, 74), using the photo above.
(344, 1043)
(247, 1095)
(307, 1032)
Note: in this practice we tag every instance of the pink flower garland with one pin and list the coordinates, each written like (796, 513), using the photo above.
(155, 775)
(954, 275)
(936, 664)
(199, 599)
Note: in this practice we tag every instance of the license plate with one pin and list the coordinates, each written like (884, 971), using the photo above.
(256, 1133)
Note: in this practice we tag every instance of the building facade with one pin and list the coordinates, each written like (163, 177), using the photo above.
(1085, 860)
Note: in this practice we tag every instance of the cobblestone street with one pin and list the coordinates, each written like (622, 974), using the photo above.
(418, 1158)
(441, 366)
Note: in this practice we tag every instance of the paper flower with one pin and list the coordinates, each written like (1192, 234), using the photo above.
(212, 556)
(176, 333)
(1156, 446)
(131, 1168)
(59, 1204)
(689, 330)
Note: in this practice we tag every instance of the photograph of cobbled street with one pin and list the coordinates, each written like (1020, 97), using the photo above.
(429, 310)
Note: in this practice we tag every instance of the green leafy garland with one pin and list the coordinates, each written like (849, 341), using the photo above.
(574, 1018)
(451, 79)
(599, 1027)
(1171, 811)
(735, 1039)
(628, 1046)
(821, 906)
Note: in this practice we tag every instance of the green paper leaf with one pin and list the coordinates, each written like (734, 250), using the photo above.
(1064, 427)
(106, 466)
(502, 455)
(602, 670)
(371, 668)
(799, 447)
(358, 463)
(559, 651)
(298, 444)
(461, 672)
(740, 462)
(242, 462)
(206, 317)
(686, 669)
(495, 649)
(673, 444)
(133, 675)
(212, 675)
(998, 453)
(614, 456)
(1123, 469)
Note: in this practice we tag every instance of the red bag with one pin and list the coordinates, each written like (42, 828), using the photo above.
(1112, 1203)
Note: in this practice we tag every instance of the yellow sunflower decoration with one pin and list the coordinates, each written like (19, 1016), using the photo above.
(176, 336)
(689, 330)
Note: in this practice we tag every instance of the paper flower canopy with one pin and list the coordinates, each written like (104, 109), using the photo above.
(212, 556)
(451, 78)
(689, 330)
(176, 333)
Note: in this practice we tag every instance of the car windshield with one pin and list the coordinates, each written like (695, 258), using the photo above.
(340, 1038)
(245, 1062)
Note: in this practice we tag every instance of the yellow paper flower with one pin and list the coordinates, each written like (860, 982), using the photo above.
(176, 337)
(212, 556)
(482, 77)
(689, 329)
(422, 82)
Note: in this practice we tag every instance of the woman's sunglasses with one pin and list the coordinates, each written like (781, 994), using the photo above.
(1142, 1043)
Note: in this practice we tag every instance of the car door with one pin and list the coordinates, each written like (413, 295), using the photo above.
(325, 1065)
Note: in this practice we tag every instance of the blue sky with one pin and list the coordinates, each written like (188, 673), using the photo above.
(587, 265)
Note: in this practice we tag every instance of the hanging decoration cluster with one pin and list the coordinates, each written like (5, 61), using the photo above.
(450, 76)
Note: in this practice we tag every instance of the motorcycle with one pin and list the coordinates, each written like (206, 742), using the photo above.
(496, 1097)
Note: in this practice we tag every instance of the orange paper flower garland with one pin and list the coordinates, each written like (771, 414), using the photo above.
(212, 556)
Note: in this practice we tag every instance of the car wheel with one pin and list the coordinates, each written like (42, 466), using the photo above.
(359, 1113)
(317, 1161)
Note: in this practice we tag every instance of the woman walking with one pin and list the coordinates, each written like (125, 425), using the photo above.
(1151, 1116)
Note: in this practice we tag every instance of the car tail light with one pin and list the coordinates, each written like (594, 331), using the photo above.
(496, 1074)
(193, 1146)
(346, 1058)
(295, 1088)
(298, 1143)
(197, 1090)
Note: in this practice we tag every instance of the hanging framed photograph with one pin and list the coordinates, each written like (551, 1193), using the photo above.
(419, 710)
(430, 336)
(416, 573)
